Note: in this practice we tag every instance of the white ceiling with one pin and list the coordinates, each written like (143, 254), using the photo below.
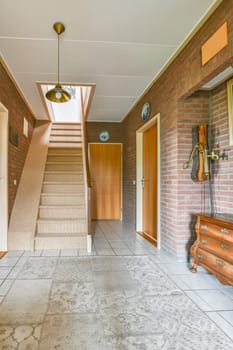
(118, 45)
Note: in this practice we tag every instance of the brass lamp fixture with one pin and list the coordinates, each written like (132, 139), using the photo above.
(58, 94)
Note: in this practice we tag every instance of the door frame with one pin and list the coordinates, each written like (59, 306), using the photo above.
(139, 173)
(110, 143)
(3, 177)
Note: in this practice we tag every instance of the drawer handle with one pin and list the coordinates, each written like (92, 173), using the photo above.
(220, 262)
(200, 257)
(224, 231)
(204, 227)
(224, 246)
(204, 242)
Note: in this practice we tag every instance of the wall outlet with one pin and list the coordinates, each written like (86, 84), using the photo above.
(15, 182)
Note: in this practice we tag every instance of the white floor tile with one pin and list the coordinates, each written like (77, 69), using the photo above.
(198, 301)
(104, 251)
(216, 299)
(69, 252)
(4, 271)
(5, 287)
(195, 281)
(227, 315)
(175, 268)
(221, 323)
(51, 252)
(15, 253)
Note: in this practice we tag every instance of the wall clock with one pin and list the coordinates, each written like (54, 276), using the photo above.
(145, 111)
(104, 136)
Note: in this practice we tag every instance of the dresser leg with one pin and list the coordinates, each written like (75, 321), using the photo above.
(193, 268)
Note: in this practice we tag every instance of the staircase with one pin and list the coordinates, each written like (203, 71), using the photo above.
(62, 219)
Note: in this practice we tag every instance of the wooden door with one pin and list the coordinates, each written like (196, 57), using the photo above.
(149, 183)
(105, 170)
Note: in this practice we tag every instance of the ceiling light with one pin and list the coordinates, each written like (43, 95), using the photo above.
(58, 94)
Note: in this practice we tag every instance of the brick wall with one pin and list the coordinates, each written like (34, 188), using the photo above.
(172, 96)
(192, 197)
(17, 110)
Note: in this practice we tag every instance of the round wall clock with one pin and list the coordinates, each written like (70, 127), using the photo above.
(145, 111)
(104, 136)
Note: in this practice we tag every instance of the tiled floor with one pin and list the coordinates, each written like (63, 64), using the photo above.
(124, 295)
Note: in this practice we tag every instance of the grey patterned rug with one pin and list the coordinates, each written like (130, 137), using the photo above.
(102, 303)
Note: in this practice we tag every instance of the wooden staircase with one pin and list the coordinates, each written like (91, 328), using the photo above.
(62, 217)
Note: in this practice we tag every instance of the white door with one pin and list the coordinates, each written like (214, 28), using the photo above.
(3, 177)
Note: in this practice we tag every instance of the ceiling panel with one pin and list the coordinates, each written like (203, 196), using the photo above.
(118, 45)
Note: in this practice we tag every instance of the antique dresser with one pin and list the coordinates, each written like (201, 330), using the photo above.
(213, 248)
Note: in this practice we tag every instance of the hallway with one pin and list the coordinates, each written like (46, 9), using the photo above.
(125, 295)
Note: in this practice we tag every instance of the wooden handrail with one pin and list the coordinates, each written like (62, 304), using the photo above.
(87, 177)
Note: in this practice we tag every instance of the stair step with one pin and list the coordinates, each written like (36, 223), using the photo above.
(67, 166)
(65, 126)
(57, 158)
(53, 176)
(62, 138)
(61, 226)
(66, 212)
(64, 150)
(63, 187)
(67, 132)
(61, 242)
(67, 144)
(61, 199)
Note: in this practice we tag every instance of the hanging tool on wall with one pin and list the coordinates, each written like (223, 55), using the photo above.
(200, 156)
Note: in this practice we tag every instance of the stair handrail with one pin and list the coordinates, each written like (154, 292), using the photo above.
(87, 177)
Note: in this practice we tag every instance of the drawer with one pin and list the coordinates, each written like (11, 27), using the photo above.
(215, 263)
(223, 249)
(220, 231)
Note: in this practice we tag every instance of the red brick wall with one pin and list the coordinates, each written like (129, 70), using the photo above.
(17, 110)
(192, 197)
(180, 199)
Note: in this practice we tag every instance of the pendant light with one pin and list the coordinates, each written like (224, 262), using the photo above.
(58, 94)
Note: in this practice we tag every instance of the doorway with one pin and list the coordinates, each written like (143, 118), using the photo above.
(3, 177)
(148, 180)
(106, 177)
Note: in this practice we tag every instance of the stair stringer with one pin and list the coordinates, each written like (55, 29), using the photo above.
(23, 219)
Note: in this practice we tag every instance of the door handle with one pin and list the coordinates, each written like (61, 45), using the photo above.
(143, 182)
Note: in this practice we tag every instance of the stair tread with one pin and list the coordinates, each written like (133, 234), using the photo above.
(60, 194)
(58, 145)
(61, 219)
(64, 172)
(60, 162)
(54, 235)
(68, 206)
(63, 183)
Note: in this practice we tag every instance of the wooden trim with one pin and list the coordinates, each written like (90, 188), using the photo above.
(148, 238)
(139, 132)
(2, 254)
(7, 69)
(43, 99)
(4, 135)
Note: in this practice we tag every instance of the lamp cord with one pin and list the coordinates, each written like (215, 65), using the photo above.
(58, 60)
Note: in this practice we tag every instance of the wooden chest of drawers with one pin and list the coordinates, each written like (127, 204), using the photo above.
(213, 248)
